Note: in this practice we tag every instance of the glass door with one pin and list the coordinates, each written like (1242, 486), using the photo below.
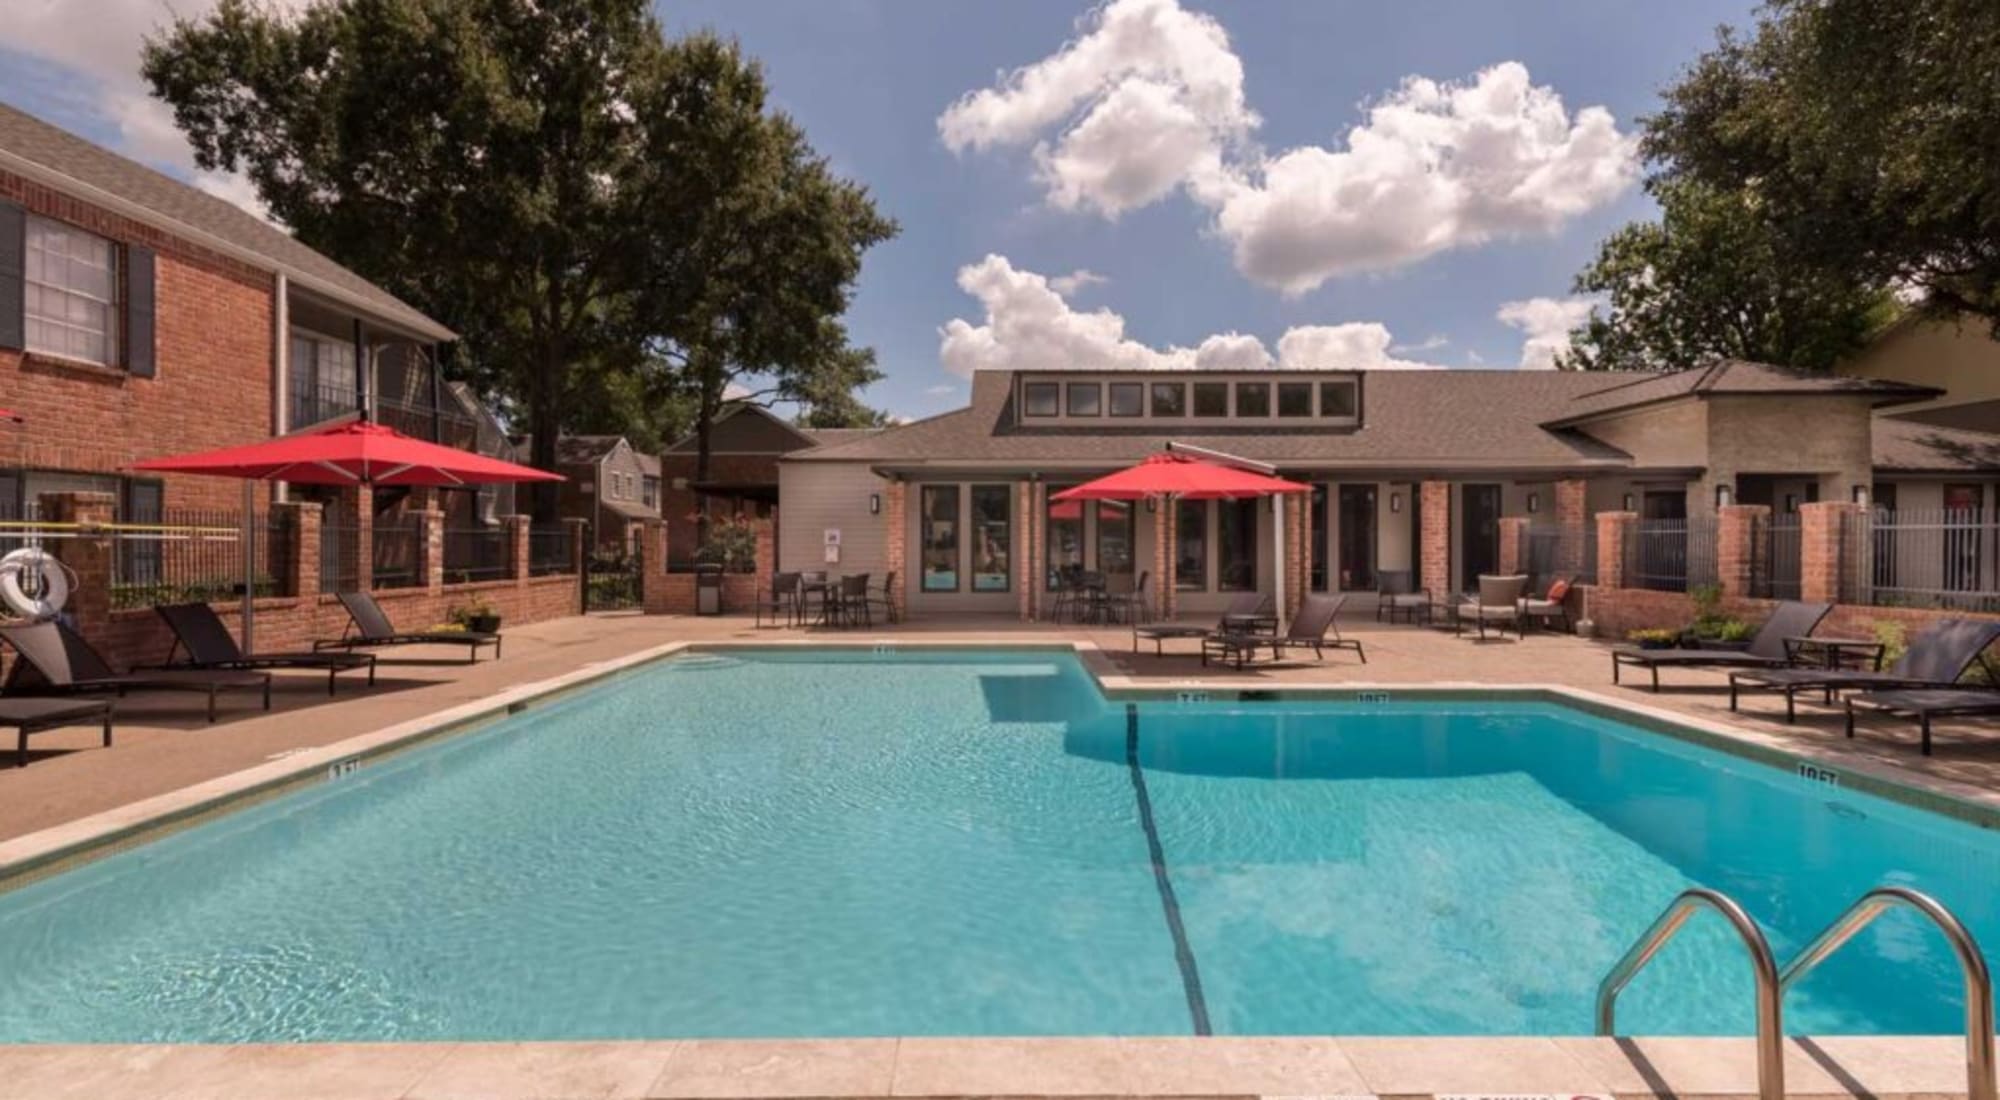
(1357, 538)
(1479, 546)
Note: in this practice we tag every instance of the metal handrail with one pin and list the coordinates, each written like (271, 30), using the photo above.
(1770, 998)
(1971, 964)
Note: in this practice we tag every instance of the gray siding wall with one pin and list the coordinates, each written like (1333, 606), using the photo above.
(814, 497)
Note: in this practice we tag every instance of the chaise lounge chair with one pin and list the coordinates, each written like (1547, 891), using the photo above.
(369, 625)
(1308, 631)
(209, 644)
(1248, 606)
(55, 660)
(1768, 647)
(1924, 704)
(30, 716)
(1936, 659)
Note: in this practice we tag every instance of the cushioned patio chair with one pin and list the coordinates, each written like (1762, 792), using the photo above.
(1768, 647)
(1937, 658)
(1308, 630)
(1552, 604)
(1246, 606)
(369, 625)
(31, 716)
(1396, 594)
(209, 644)
(55, 660)
(1499, 601)
(1925, 704)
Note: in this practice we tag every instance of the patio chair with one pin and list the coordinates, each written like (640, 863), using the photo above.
(1248, 605)
(884, 597)
(1499, 601)
(209, 644)
(1768, 648)
(1396, 594)
(850, 598)
(1552, 604)
(55, 660)
(1925, 704)
(782, 598)
(1316, 617)
(32, 716)
(369, 625)
(1133, 606)
(1937, 658)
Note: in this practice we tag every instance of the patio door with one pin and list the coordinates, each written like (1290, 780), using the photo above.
(1357, 538)
(1479, 535)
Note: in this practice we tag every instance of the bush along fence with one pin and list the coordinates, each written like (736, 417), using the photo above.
(123, 570)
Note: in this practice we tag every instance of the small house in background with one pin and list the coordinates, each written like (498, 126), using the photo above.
(606, 487)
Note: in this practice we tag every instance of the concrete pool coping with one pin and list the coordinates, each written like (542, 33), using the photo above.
(1184, 1067)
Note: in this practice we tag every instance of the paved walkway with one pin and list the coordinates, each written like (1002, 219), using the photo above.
(163, 743)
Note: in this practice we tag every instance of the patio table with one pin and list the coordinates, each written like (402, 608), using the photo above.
(1159, 633)
(1249, 624)
(1836, 652)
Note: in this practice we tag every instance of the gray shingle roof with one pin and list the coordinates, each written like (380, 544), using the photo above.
(1911, 446)
(1725, 376)
(68, 163)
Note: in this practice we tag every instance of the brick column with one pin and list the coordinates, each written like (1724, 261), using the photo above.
(1024, 528)
(358, 504)
(1163, 558)
(1296, 574)
(1038, 493)
(88, 554)
(895, 552)
(1821, 564)
(1572, 517)
(1512, 530)
(305, 524)
(1434, 535)
(764, 556)
(430, 549)
(1736, 547)
(520, 551)
(1170, 580)
(653, 566)
(1613, 529)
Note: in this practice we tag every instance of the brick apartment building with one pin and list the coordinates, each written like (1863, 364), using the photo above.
(141, 317)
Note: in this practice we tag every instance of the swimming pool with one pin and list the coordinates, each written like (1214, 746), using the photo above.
(836, 843)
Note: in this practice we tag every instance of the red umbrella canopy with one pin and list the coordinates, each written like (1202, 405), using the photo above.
(11, 415)
(359, 452)
(1174, 475)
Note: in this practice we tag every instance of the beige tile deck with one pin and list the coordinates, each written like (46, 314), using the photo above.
(545, 1071)
(723, 1068)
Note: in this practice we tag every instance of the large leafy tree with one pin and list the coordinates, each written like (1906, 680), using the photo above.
(1709, 279)
(1868, 132)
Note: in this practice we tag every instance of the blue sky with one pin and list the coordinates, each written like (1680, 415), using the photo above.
(1250, 216)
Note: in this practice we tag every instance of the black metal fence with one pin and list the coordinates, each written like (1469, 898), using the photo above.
(613, 581)
(193, 556)
(550, 551)
(1777, 556)
(1540, 555)
(1931, 558)
(477, 554)
(1671, 555)
(398, 549)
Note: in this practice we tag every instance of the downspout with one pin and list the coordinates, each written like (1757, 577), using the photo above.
(361, 395)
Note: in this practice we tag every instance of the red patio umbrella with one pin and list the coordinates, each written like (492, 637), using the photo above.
(11, 415)
(1177, 475)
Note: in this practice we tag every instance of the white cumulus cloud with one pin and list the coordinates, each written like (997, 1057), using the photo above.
(1148, 99)
(1547, 323)
(1029, 325)
(1081, 278)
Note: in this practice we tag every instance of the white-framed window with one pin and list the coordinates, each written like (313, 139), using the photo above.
(71, 292)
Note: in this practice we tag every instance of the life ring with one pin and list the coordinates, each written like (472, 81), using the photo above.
(52, 592)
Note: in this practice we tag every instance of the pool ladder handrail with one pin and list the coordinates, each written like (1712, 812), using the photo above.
(1971, 965)
(1770, 995)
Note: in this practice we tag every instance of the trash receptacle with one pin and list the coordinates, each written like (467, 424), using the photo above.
(708, 589)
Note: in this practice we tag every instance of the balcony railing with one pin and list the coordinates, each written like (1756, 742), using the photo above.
(313, 404)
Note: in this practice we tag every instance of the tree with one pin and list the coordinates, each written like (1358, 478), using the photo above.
(1868, 132)
(1711, 279)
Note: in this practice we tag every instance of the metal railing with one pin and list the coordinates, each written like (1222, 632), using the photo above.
(550, 552)
(1540, 555)
(312, 404)
(477, 554)
(339, 571)
(1971, 965)
(1777, 556)
(1770, 993)
(1934, 558)
(398, 552)
(197, 556)
(1671, 555)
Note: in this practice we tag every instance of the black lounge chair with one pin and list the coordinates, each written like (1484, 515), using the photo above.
(1924, 704)
(369, 625)
(209, 644)
(1768, 647)
(1309, 628)
(29, 716)
(1936, 659)
(55, 660)
(1249, 605)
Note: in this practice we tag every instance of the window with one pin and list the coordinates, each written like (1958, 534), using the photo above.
(1063, 525)
(71, 293)
(992, 537)
(1211, 399)
(651, 487)
(1041, 398)
(1128, 399)
(1236, 543)
(940, 538)
(1295, 399)
(1337, 398)
(1191, 545)
(1169, 399)
(1114, 543)
(1086, 399)
(322, 378)
(1253, 399)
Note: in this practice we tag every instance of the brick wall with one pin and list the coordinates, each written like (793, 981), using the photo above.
(1619, 611)
(1434, 553)
(213, 340)
(664, 593)
(1572, 516)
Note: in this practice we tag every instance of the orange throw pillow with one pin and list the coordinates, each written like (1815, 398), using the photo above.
(1557, 591)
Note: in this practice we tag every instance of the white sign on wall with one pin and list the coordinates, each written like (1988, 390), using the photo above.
(833, 553)
(833, 536)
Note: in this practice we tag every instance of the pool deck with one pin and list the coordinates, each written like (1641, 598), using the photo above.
(165, 751)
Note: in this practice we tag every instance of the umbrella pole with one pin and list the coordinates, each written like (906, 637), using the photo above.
(249, 540)
(1278, 555)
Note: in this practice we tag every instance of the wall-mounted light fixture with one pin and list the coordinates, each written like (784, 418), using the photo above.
(1861, 495)
(1395, 502)
(1725, 495)
(874, 504)
(1626, 505)
(1534, 503)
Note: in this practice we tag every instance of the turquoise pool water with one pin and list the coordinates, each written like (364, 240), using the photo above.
(821, 843)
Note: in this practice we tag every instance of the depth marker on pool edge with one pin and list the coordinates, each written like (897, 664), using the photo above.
(1183, 954)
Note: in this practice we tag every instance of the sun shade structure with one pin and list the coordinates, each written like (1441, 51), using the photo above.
(359, 452)
(1181, 476)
